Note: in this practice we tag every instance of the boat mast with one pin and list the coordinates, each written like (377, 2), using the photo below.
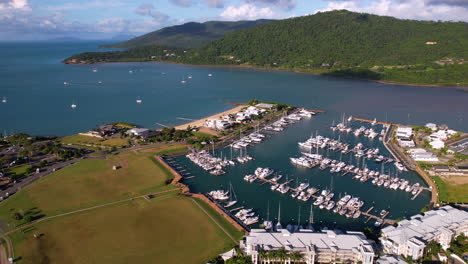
(311, 216)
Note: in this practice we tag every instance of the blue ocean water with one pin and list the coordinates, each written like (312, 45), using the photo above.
(32, 80)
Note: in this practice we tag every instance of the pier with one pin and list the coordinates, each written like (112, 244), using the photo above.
(371, 121)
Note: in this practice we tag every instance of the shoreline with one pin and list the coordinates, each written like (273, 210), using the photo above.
(201, 121)
(462, 88)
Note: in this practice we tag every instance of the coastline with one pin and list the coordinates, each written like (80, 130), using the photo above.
(200, 122)
(462, 88)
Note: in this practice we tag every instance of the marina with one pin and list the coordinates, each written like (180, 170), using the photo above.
(275, 177)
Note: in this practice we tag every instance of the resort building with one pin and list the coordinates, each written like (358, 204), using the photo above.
(327, 246)
(409, 237)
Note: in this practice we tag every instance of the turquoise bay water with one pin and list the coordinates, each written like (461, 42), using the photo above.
(32, 80)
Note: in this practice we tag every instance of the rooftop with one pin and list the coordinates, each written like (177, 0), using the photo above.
(427, 226)
(300, 240)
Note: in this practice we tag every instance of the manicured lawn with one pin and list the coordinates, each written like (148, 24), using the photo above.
(88, 141)
(164, 149)
(115, 142)
(79, 140)
(20, 169)
(169, 229)
(448, 192)
(90, 182)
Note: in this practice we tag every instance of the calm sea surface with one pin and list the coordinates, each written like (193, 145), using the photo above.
(32, 80)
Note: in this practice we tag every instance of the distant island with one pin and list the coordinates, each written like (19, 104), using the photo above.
(338, 43)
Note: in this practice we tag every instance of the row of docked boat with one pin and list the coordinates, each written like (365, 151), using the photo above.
(347, 205)
(362, 174)
(208, 162)
(246, 141)
(247, 216)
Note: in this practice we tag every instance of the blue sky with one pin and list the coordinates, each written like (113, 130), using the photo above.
(102, 19)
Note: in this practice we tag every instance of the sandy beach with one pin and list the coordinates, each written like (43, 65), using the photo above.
(201, 122)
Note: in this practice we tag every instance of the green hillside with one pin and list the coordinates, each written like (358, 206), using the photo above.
(339, 43)
(189, 35)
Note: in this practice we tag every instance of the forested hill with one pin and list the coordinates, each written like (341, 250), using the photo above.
(189, 35)
(340, 39)
(336, 42)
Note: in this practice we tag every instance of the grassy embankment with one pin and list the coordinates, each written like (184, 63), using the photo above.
(166, 229)
(452, 190)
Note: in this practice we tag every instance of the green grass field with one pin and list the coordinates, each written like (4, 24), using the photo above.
(167, 229)
(20, 170)
(450, 192)
(89, 182)
(163, 149)
(93, 142)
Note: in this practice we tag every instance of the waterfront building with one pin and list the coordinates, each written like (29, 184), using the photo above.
(431, 126)
(217, 124)
(419, 154)
(390, 259)
(409, 237)
(137, 131)
(263, 105)
(404, 132)
(328, 246)
(406, 143)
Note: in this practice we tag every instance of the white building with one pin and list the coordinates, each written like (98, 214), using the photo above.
(315, 247)
(431, 126)
(406, 143)
(137, 131)
(409, 238)
(437, 144)
(419, 154)
(217, 124)
(404, 132)
(267, 106)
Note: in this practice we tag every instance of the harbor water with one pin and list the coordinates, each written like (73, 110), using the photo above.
(275, 152)
(38, 102)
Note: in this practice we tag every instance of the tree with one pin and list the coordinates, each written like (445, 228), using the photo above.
(239, 260)
(296, 256)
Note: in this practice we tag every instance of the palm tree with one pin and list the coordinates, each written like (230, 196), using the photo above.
(272, 255)
(282, 255)
(263, 255)
(296, 256)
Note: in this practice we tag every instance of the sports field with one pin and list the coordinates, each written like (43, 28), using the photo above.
(452, 189)
(167, 229)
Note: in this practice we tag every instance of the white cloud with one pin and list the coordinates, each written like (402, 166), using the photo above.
(407, 9)
(247, 11)
(13, 4)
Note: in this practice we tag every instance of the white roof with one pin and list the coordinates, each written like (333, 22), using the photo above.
(390, 259)
(427, 226)
(299, 240)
